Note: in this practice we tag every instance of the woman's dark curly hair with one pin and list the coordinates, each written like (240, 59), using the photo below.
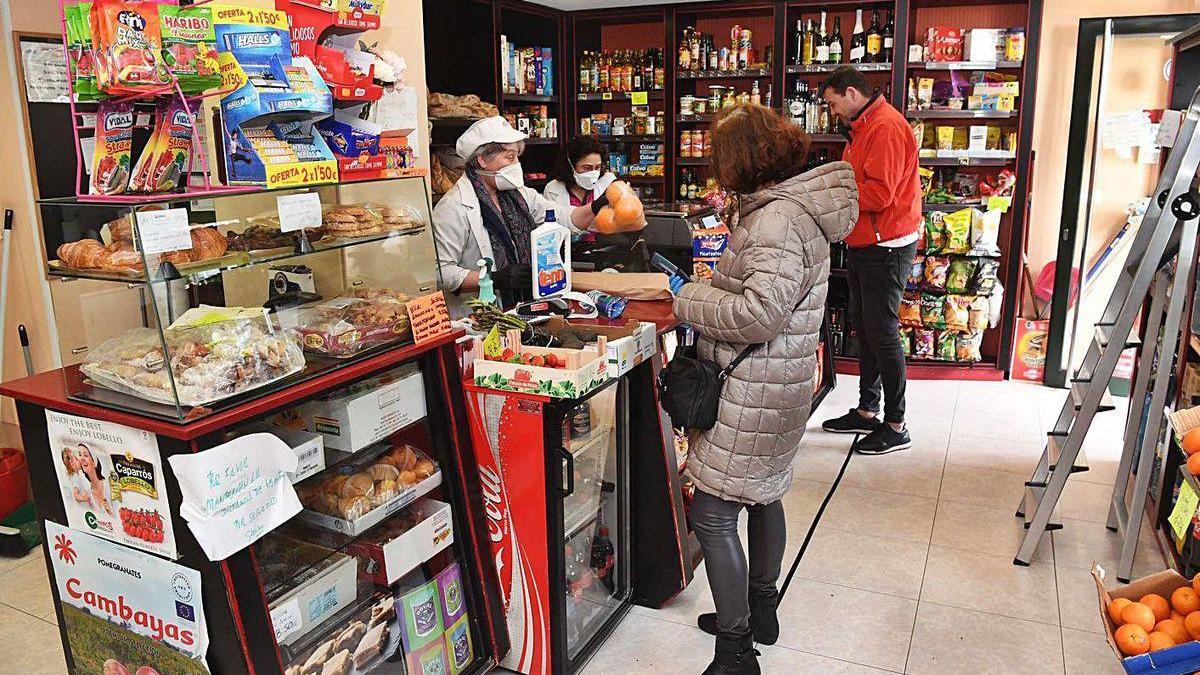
(754, 146)
(564, 167)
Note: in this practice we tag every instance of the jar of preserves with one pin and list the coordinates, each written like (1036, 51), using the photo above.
(687, 104)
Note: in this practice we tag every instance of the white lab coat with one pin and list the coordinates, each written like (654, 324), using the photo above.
(461, 239)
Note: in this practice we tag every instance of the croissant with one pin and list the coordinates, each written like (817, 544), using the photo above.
(207, 243)
(358, 485)
(83, 254)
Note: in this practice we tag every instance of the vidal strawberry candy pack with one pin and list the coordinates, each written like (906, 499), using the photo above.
(114, 141)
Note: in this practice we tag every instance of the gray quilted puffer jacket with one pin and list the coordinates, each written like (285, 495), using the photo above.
(769, 286)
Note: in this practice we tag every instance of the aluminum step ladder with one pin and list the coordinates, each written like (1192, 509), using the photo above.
(1167, 237)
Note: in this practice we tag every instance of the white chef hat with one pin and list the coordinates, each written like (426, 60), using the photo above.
(487, 130)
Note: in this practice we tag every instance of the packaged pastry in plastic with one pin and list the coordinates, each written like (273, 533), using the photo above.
(354, 489)
(212, 353)
(345, 325)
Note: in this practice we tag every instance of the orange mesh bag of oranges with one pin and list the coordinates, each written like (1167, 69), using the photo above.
(623, 213)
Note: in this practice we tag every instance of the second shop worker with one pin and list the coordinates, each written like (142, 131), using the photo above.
(880, 250)
(489, 213)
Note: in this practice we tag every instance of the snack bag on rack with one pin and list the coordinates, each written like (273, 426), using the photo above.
(957, 312)
(985, 277)
(944, 351)
(958, 231)
(958, 279)
(923, 343)
(114, 141)
(906, 340)
(936, 270)
(169, 162)
(79, 51)
(985, 233)
(935, 232)
(624, 212)
(967, 347)
(141, 169)
(916, 273)
(933, 310)
(189, 46)
(910, 309)
(127, 46)
(978, 313)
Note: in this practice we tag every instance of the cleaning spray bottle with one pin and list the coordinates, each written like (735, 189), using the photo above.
(487, 292)
(550, 245)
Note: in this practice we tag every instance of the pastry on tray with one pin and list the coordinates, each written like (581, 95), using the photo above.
(352, 489)
(317, 660)
(344, 326)
(349, 637)
(371, 645)
(338, 664)
(383, 611)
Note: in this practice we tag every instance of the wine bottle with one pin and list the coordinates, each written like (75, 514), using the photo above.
(858, 40)
(685, 50)
(795, 105)
(809, 47)
(822, 41)
(835, 41)
(889, 38)
(874, 39)
(585, 70)
(799, 42)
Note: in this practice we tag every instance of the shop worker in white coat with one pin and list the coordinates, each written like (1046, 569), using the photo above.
(489, 213)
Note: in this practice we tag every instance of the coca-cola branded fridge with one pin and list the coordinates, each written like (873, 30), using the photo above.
(555, 481)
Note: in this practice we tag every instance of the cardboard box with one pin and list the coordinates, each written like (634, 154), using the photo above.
(1184, 658)
(1029, 350)
(709, 243)
(332, 587)
(977, 139)
(352, 418)
(397, 548)
(1190, 388)
(943, 43)
(979, 44)
(309, 448)
(628, 345)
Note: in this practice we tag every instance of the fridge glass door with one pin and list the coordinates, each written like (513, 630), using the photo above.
(594, 517)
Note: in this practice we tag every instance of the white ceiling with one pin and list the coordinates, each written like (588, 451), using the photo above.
(573, 5)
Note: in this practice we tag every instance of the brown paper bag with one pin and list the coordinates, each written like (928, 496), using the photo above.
(633, 285)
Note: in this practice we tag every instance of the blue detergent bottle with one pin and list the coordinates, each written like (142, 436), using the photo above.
(550, 245)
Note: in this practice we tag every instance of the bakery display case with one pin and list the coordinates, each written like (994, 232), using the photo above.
(187, 307)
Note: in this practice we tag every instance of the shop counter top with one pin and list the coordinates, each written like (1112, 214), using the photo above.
(659, 312)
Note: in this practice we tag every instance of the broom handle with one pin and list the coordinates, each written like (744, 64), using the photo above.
(7, 246)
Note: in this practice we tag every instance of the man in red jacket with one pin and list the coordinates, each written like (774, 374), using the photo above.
(883, 152)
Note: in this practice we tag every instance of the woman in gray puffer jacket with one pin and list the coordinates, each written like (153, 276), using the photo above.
(769, 287)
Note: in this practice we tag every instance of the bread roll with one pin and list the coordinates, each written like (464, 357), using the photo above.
(358, 485)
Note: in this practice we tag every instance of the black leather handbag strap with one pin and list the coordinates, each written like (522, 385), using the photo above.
(725, 372)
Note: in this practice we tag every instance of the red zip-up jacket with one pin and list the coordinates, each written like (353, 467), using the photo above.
(883, 152)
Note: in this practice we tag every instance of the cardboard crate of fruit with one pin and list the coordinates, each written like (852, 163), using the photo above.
(547, 371)
(1152, 623)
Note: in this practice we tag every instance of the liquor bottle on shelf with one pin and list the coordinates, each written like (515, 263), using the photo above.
(835, 41)
(769, 98)
(799, 59)
(809, 47)
(795, 104)
(627, 72)
(685, 50)
(684, 179)
(604, 82)
(693, 188)
(874, 39)
(889, 38)
(823, 157)
(755, 95)
(822, 44)
(595, 74)
(714, 55)
(824, 115)
(660, 71)
(812, 108)
(858, 40)
(636, 76)
(585, 69)
(695, 47)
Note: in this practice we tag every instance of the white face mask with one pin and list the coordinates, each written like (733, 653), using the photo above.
(587, 180)
(510, 177)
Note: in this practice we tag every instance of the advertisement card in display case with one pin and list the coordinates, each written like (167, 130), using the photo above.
(111, 478)
(122, 607)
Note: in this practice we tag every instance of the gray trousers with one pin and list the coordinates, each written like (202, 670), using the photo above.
(715, 522)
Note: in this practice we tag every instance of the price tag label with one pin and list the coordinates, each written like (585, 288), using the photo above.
(285, 619)
(299, 212)
(1000, 204)
(606, 96)
(164, 231)
(639, 97)
(1185, 508)
(964, 161)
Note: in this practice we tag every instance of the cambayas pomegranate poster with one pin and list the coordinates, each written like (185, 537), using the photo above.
(111, 478)
(126, 612)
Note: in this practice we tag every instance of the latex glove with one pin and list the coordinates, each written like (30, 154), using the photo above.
(676, 283)
(518, 277)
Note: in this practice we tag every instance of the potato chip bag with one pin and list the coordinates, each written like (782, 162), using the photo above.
(967, 347)
(958, 231)
(958, 278)
(114, 141)
(957, 312)
(936, 270)
(906, 340)
(985, 277)
(985, 232)
(946, 343)
(127, 46)
(935, 232)
(933, 310)
(910, 309)
(923, 343)
(916, 273)
(977, 314)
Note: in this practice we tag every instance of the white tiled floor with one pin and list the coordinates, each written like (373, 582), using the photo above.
(910, 570)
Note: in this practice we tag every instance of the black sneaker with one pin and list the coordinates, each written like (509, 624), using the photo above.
(851, 423)
(882, 440)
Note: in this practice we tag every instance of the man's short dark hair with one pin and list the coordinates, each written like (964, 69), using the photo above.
(845, 77)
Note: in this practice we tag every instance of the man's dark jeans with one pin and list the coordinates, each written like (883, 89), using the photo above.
(877, 277)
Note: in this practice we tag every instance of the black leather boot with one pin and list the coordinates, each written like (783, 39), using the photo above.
(764, 622)
(735, 655)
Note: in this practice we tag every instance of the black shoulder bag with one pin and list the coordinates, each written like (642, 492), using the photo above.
(689, 388)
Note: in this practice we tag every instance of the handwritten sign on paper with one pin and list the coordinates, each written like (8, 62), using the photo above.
(429, 317)
(164, 231)
(299, 212)
(1185, 508)
(237, 492)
